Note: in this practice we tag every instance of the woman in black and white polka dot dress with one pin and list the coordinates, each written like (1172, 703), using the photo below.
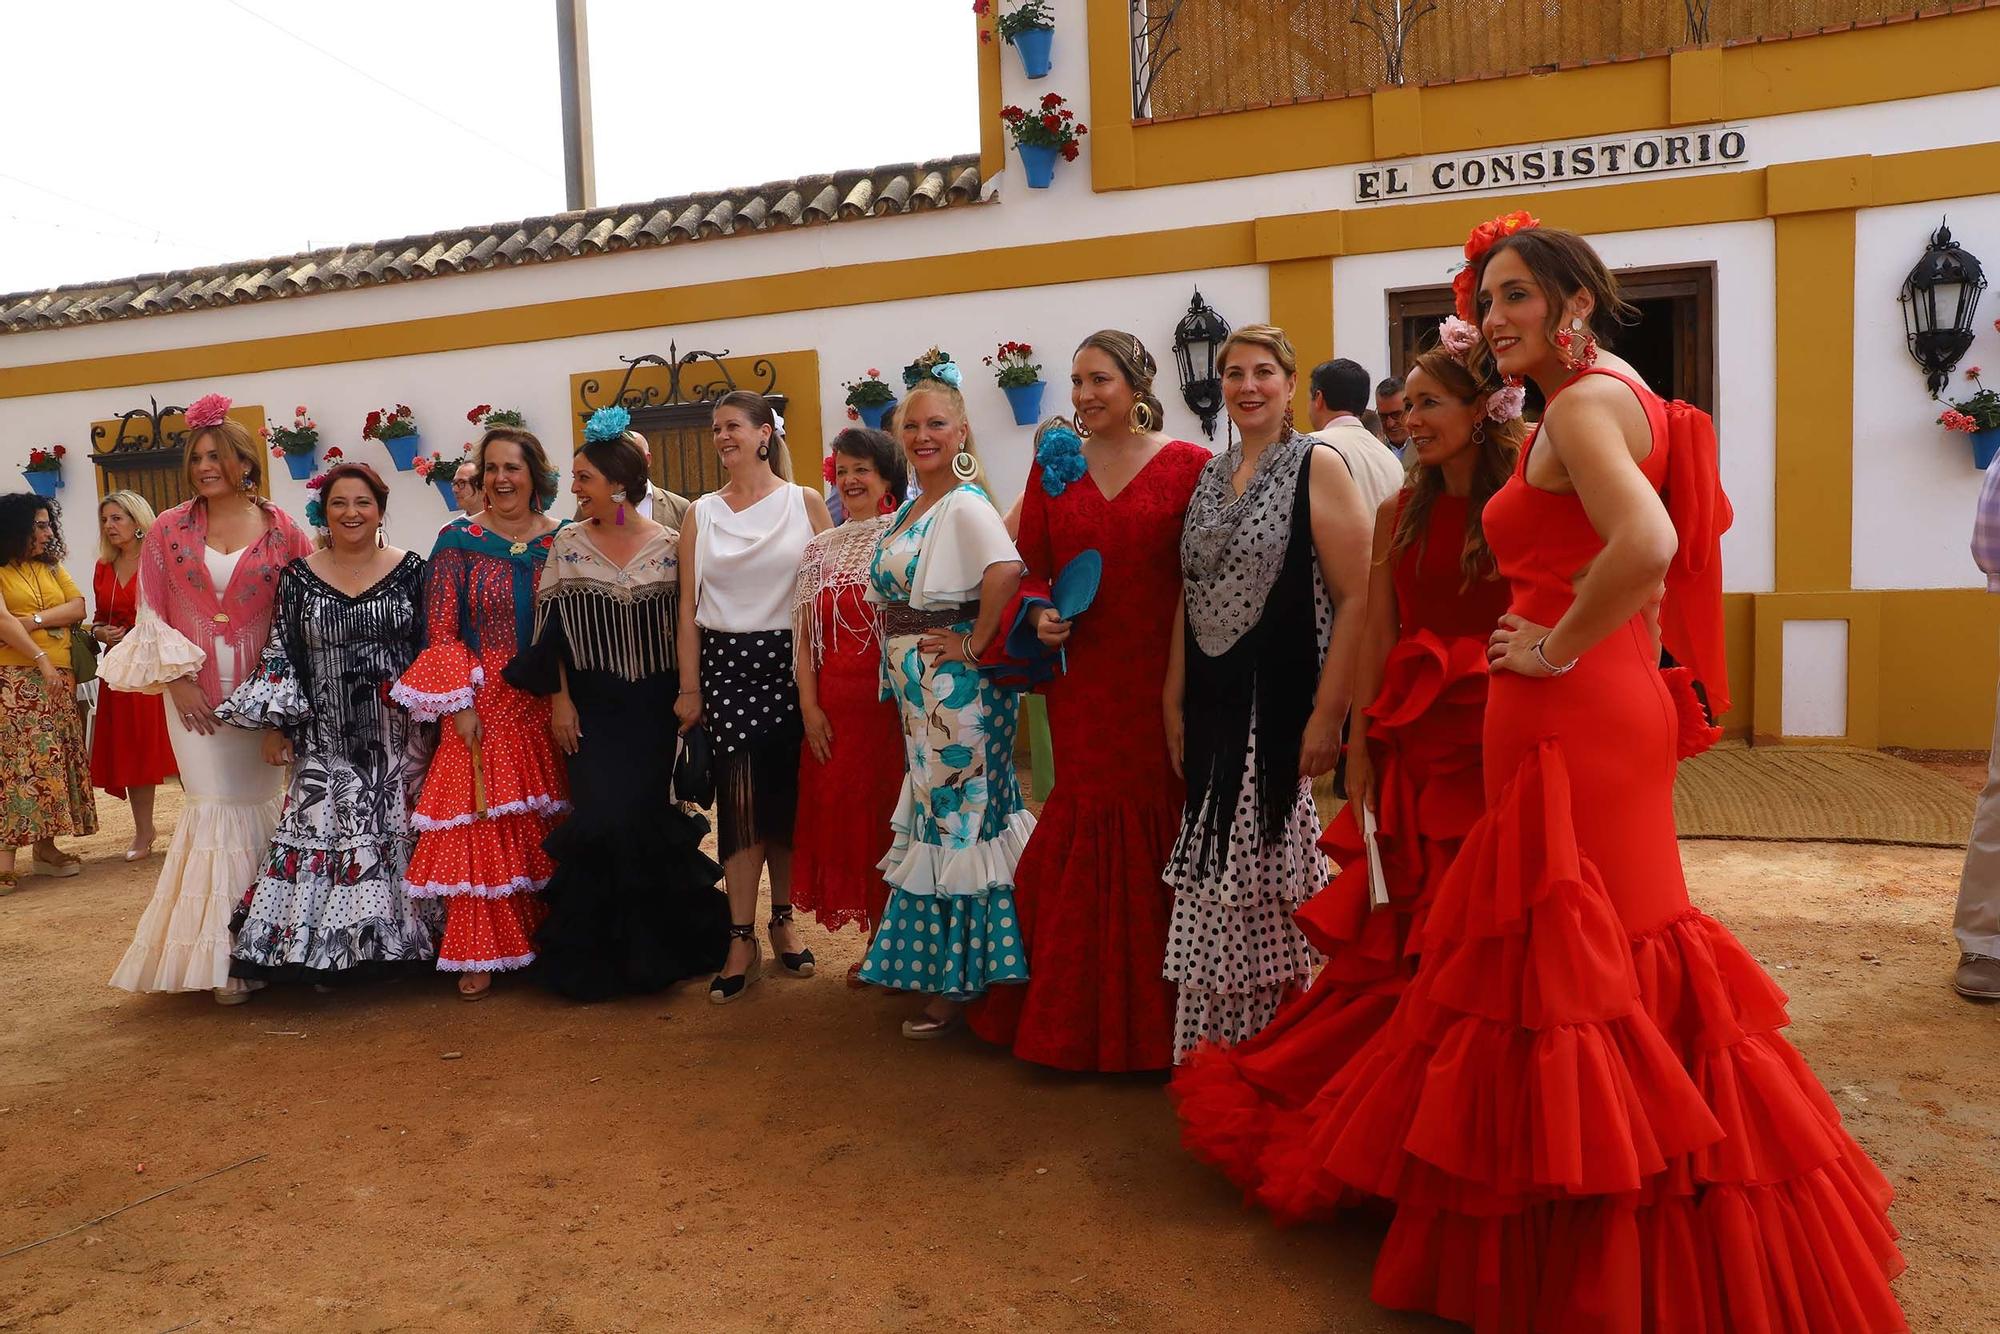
(1274, 555)
(739, 558)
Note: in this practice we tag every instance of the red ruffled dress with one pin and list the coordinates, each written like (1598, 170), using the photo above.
(846, 805)
(1582, 1110)
(1251, 1109)
(129, 746)
(479, 846)
(1094, 907)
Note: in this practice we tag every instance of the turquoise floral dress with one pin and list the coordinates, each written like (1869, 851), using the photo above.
(950, 927)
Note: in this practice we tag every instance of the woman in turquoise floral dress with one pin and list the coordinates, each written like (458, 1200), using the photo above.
(946, 573)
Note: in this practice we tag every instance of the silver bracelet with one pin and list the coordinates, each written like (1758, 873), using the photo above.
(1548, 666)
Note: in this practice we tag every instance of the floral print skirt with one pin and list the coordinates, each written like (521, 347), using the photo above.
(950, 928)
(44, 768)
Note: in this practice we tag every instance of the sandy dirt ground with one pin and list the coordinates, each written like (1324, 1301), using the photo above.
(789, 1163)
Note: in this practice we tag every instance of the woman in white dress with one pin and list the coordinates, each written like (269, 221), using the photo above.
(208, 579)
(740, 548)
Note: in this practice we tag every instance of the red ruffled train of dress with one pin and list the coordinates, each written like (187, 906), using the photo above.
(1251, 1109)
(1584, 1130)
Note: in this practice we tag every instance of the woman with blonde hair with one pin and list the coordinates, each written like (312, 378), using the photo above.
(945, 573)
(208, 581)
(1413, 758)
(1274, 558)
(130, 754)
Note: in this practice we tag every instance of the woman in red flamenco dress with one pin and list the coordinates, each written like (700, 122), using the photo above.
(1094, 906)
(1413, 757)
(1582, 1111)
(851, 767)
(496, 786)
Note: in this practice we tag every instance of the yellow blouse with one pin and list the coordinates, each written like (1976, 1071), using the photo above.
(29, 586)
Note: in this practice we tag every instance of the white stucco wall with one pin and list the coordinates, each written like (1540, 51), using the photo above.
(1746, 352)
(535, 378)
(1914, 483)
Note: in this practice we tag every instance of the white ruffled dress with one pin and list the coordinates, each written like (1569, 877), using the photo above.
(232, 803)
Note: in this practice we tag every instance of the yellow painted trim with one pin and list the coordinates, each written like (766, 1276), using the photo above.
(1860, 67)
(1932, 174)
(795, 375)
(1301, 298)
(1694, 86)
(1396, 118)
(992, 136)
(1814, 187)
(1110, 142)
(1937, 665)
(1814, 299)
(1739, 639)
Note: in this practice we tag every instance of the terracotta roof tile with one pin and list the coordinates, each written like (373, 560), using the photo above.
(808, 201)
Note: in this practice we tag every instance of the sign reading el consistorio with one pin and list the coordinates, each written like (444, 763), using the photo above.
(1562, 163)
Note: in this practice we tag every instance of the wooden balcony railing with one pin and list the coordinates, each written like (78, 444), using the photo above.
(1190, 57)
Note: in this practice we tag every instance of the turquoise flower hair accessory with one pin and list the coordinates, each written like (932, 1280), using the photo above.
(1060, 452)
(946, 372)
(607, 424)
(316, 504)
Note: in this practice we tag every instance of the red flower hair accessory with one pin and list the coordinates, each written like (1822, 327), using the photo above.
(1477, 243)
(206, 411)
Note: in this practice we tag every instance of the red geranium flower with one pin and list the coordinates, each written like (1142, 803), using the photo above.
(853, 416)
(1070, 152)
(826, 467)
(1051, 100)
(1051, 122)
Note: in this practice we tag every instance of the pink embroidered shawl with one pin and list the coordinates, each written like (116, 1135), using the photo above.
(174, 583)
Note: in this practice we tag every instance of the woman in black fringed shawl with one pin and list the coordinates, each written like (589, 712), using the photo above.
(1275, 558)
(633, 905)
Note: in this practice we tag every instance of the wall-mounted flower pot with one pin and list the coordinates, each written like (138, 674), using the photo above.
(1026, 400)
(874, 414)
(1038, 163)
(1036, 48)
(442, 480)
(403, 450)
(44, 483)
(1985, 445)
(301, 465)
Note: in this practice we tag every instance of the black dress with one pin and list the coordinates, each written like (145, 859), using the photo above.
(634, 904)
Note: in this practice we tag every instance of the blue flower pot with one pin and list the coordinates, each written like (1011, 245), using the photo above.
(44, 484)
(1038, 161)
(1985, 445)
(1035, 47)
(443, 483)
(403, 450)
(1026, 400)
(301, 465)
(874, 414)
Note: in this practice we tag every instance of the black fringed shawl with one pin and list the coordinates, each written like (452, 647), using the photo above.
(1271, 670)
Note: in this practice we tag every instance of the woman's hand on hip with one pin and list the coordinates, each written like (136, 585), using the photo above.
(1512, 647)
(195, 715)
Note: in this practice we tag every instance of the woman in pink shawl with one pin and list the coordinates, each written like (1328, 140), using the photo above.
(208, 576)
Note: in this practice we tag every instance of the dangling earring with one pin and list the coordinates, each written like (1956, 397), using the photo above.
(764, 449)
(1141, 419)
(963, 466)
(1288, 419)
(1568, 342)
(1082, 431)
(1478, 434)
(887, 505)
(618, 499)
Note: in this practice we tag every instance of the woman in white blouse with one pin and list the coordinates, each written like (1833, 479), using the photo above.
(739, 556)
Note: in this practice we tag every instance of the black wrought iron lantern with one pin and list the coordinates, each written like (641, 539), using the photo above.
(1939, 300)
(1198, 342)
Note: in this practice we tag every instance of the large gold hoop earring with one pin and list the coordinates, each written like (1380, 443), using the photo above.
(1141, 419)
(1082, 431)
(963, 466)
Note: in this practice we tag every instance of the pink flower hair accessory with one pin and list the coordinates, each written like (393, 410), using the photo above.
(206, 411)
(1507, 402)
(1457, 337)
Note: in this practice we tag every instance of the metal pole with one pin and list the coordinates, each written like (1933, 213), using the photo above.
(579, 153)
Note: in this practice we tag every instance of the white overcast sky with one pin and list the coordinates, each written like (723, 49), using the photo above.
(148, 135)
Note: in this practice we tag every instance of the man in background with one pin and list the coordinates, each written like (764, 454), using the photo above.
(1976, 923)
(1339, 397)
(465, 487)
(1389, 407)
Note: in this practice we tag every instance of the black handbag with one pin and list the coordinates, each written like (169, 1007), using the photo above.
(694, 778)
